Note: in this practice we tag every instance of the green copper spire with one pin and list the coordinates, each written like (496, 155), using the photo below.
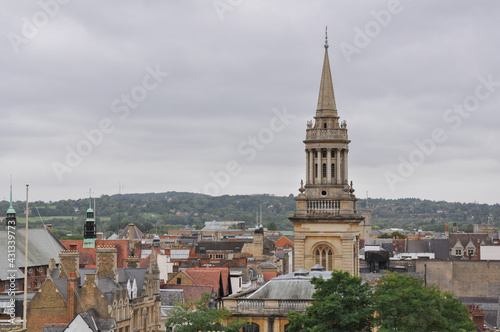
(326, 37)
(11, 208)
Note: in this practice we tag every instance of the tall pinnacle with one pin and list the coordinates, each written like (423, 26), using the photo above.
(326, 100)
(11, 208)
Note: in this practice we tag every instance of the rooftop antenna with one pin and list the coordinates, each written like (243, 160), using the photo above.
(25, 303)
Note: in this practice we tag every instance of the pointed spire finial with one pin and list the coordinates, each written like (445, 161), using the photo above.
(11, 192)
(326, 37)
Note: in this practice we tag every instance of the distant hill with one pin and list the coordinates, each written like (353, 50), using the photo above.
(159, 212)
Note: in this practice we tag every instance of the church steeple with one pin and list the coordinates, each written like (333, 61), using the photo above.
(326, 100)
(89, 234)
(326, 220)
(11, 213)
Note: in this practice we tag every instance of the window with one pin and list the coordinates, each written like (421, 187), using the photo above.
(458, 252)
(218, 256)
(323, 154)
(316, 170)
(324, 171)
(333, 153)
(324, 125)
(333, 171)
(179, 281)
(470, 252)
(323, 255)
(251, 328)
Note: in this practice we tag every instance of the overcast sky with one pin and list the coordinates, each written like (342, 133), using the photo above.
(214, 96)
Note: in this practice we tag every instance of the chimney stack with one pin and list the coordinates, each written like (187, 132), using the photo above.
(106, 261)
(454, 227)
(69, 261)
(132, 262)
(71, 302)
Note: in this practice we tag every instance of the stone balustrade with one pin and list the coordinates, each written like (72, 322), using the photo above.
(326, 133)
(270, 306)
(323, 207)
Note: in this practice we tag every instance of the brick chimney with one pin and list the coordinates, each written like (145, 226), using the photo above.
(477, 315)
(69, 261)
(106, 260)
(454, 227)
(48, 227)
(71, 302)
(132, 262)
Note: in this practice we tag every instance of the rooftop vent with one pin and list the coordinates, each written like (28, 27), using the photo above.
(301, 272)
(318, 267)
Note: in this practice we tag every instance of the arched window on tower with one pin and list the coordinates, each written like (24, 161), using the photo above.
(323, 255)
(324, 171)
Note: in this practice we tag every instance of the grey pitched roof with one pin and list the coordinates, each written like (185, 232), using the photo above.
(130, 273)
(169, 297)
(220, 245)
(62, 286)
(96, 323)
(43, 246)
(290, 286)
(53, 328)
(440, 247)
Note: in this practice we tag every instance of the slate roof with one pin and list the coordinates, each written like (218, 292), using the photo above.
(96, 323)
(169, 297)
(131, 273)
(43, 246)
(290, 287)
(440, 247)
(465, 238)
(54, 328)
(220, 246)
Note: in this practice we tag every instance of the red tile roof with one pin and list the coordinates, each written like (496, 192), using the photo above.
(269, 275)
(193, 292)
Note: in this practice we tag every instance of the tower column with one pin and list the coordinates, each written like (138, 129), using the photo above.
(311, 166)
(318, 168)
(346, 177)
(307, 166)
(337, 165)
(329, 165)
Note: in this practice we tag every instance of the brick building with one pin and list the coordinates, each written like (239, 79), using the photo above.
(130, 295)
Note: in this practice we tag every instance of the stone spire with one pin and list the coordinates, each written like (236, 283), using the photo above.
(326, 100)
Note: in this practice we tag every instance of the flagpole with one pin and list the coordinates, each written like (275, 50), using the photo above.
(25, 306)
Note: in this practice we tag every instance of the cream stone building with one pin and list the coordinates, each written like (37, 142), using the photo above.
(326, 221)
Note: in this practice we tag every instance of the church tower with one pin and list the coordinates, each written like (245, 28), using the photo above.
(11, 219)
(89, 233)
(326, 221)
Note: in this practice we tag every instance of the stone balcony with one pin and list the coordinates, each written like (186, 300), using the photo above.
(269, 306)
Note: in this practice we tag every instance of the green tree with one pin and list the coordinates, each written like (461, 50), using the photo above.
(342, 303)
(403, 304)
(195, 316)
